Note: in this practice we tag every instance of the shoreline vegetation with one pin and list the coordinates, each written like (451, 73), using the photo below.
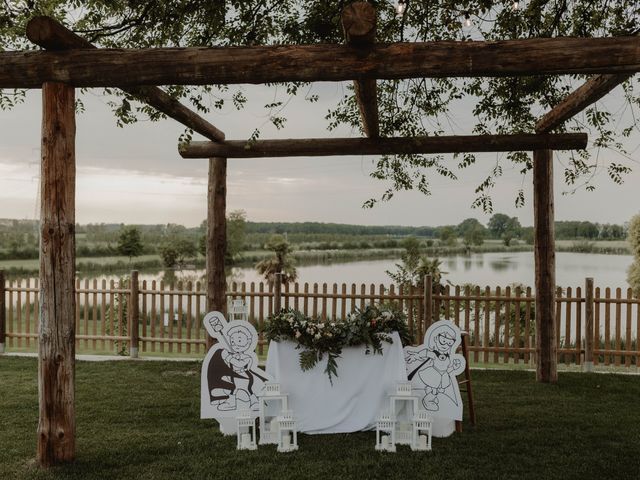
(314, 256)
(119, 248)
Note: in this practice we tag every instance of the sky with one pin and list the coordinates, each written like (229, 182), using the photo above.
(135, 174)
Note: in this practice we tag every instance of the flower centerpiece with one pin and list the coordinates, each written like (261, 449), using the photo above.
(369, 327)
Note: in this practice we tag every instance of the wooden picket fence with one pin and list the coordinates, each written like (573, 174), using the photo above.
(593, 324)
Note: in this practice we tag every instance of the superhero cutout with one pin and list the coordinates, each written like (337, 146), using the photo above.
(230, 377)
(433, 367)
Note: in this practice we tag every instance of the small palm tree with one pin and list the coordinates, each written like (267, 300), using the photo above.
(281, 262)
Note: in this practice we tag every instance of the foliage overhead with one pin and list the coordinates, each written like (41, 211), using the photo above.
(420, 106)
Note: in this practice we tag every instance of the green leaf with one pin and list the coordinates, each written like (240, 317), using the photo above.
(308, 359)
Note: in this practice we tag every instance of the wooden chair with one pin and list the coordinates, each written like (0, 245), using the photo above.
(466, 382)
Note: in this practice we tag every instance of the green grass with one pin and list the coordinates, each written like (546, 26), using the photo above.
(141, 420)
(87, 264)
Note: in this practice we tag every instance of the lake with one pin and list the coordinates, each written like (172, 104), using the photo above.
(493, 269)
(481, 269)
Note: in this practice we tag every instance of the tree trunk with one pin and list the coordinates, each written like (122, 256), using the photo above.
(56, 354)
(545, 259)
(216, 237)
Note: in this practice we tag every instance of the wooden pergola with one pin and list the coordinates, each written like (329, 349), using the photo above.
(69, 62)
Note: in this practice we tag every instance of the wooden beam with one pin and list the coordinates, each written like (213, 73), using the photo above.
(545, 261)
(216, 237)
(56, 352)
(314, 147)
(52, 35)
(359, 25)
(590, 92)
(308, 63)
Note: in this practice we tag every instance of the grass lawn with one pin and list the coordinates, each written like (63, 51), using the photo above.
(33, 264)
(140, 420)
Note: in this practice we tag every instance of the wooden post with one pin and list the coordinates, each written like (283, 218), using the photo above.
(216, 237)
(589, 334)
(134, 316)
(3, 314)
(359, 25)
(277, 293)
(545, 260)
(428, 303)
(56, 353)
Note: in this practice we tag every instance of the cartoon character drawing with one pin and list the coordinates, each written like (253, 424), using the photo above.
(433, 367)
(230, 376)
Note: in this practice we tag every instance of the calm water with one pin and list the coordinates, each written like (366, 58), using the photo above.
(493, 269)
(481, 269)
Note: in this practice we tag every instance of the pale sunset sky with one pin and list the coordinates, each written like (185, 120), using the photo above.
(135, 175)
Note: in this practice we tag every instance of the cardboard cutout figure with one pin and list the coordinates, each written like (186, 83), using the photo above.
(433, 367)
(230, 377)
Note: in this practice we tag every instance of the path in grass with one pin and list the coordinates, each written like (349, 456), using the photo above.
(140, 420)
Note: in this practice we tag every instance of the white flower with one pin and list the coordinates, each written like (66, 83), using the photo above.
(320, 326)
(386, 314)
(329, 334)
(317, 336)
(298, 333)
(333, 324)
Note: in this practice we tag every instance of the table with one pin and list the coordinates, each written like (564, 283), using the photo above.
(357, 396)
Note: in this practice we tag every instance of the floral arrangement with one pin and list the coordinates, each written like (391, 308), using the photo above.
(369, 327)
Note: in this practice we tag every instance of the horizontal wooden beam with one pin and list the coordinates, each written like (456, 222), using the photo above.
(587, 94)
(317, 147)
(359, 25)
(282, 63)
(51, 35)
(590, 92)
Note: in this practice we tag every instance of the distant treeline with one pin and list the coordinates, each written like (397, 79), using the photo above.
(565, 230)
(19, 238)
(340, 229)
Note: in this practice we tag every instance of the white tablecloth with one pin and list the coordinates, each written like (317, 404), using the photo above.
(358, 395)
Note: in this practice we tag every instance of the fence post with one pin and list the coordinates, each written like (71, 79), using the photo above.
(3, 314)
(277, 293)
(134, 316)
(428, 301)
(588, 327)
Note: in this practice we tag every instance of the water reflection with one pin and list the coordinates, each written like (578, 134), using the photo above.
(499, 265)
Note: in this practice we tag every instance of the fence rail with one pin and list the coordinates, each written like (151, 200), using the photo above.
(596, 325)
